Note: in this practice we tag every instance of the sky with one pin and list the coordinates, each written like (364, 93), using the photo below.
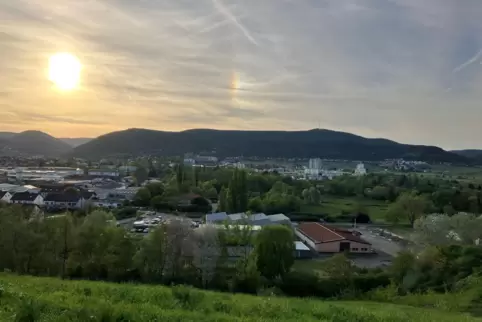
(407, 70)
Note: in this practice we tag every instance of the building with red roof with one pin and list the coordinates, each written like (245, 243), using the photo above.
(325, 239)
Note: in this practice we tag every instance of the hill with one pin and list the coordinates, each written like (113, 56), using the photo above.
(35, 143)
(6, 135)
(295, 144)
(74, 142)
(470, 153)
(50, 299)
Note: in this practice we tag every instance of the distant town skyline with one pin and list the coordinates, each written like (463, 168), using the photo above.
(405, 70)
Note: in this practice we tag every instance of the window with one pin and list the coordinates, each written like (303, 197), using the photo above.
(364, 249)
(354, 249)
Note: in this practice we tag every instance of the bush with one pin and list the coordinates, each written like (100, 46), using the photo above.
(27, 311)
(127, 212)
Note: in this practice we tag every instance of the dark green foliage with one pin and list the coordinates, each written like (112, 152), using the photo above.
(126, 212)
(299, 144)
(28, 310)
(274, 249)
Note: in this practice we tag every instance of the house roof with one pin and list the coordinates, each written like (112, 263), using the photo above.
(24, 196)
(219, 216)
(62, 197)
(300, 246)
(2, 193)
(319, 233)
(259, 216)
(278, 217)
(238, 216)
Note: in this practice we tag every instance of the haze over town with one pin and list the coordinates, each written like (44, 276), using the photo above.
(406, 70)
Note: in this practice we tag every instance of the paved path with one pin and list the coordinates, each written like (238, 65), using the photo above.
(380, 243)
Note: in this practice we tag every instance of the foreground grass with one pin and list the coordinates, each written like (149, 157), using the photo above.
(48, 299)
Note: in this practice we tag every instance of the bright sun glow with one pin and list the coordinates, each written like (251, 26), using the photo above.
(64, 71)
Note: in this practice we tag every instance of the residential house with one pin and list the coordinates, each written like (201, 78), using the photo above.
(5, 196)
(64, 200)
(27, 198)
(324, 239)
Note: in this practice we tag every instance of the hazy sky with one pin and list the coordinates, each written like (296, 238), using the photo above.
(408, 70)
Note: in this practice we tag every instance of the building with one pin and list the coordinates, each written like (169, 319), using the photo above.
(5, 196)
(27, 198)
(65, 201)
(218, 218)
(279, 219)
(111, 173)
(107, 203)
(302, 251)
(324, 239)
(360, 170)
(315, 164)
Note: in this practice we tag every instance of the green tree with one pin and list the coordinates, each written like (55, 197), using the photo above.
(255, 205)
(274, 249)
(141, 175)
(222, 204)
(409, 206)
(155, 188)
(243, 192)
(158, 203)
(142, 197)
(339, 266)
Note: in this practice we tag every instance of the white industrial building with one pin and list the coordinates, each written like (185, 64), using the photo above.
(258, 219)
(360, 170)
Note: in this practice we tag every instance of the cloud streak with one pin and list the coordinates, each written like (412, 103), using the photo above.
(374, 67)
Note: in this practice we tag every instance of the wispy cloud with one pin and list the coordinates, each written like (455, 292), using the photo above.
(376, 67)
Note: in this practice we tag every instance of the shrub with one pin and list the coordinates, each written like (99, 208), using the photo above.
(27, 311)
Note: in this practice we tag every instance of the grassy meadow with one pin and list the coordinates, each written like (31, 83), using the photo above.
(24, 298)
(336, 206)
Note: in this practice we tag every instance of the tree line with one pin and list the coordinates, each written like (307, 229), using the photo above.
(231, 259)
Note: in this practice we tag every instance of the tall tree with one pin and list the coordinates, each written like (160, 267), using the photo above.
(243, 191)
(409, 206)
(274, 249)
(222, 204)
(232, 203)
(141, 175)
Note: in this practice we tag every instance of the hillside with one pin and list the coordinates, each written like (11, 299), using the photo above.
(74, 142)
(6, 135)
(49, 299)
(473, 154)
(301, 144)
(34, 143)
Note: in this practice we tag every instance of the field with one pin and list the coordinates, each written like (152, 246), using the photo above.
(49, 299)
(336, 206)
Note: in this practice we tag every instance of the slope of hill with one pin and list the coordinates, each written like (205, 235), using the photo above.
(36, 143)
(301, 144)
(470, 153)
(74, 142)
(49, 299)
(6, 135)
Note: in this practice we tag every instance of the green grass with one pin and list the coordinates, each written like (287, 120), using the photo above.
(309, 266)
(335, 206)
(48, 299)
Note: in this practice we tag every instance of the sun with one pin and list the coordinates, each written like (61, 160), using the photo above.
(64, 71)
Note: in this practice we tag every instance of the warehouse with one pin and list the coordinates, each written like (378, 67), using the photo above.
(324, 239)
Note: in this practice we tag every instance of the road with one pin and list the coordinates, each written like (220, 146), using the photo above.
(380, 243)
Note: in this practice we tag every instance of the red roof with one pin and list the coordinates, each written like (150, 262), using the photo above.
(322, 234)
